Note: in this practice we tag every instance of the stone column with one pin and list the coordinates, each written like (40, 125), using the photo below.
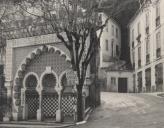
(9, 96)
(39, 111)
(8, 71)
(59, 117)
(24, 105)
(8, 86)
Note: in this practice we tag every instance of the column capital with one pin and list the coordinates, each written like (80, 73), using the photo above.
(59, 89)
(8, 84)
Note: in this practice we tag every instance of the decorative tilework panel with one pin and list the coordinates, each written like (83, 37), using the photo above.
(32, 100)
(68, 102)
(21, 53)
(39, 63)
(50, 105)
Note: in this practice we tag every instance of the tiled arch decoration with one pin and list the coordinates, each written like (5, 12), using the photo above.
(22, 69)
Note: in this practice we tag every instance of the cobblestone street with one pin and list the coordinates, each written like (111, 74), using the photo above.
(127, 111)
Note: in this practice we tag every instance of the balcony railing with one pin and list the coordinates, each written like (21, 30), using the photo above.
(147, 58)
(158, 52)
(157, 21)
(139, 63)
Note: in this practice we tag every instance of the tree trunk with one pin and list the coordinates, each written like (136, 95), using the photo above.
(79, 105)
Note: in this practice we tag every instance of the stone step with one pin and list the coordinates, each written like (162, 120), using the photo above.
(33, 124)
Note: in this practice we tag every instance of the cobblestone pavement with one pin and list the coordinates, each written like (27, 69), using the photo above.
(127, 111)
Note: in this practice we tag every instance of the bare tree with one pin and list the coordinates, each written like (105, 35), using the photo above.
(6, 10)
(75, 23)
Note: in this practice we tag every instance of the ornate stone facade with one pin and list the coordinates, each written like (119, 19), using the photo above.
(39, 78)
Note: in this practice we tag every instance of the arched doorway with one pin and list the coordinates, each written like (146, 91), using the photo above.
(32, 96)
(50, 97)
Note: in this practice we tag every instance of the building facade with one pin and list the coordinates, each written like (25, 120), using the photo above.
(146, 43)
(120, 81)
(110, 41)
(111, 69)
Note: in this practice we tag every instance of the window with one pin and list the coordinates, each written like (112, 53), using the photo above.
(133, 35)
(116, 32)
(159, 77)
(106, 28)
(147, 19)
(157, 10)
(117, 50)
(147, 46)
(100, 19)
(147, 51)
(157, 15)
(107, 47)
(138, 28)
(112, 30)
(148, 79)
(139, 76)
(139, 34)
(132, 38)
(112, 44)
(158, 43)
(139, 57)
(158, 39)
(133, 59)
(147, 23)
(139, 53)
(113, 81)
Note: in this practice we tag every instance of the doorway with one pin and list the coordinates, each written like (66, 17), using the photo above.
(122, 85)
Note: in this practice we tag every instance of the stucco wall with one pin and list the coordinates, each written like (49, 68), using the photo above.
(119, 74)
(106, 55)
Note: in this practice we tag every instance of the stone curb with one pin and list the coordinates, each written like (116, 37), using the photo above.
(23, 125)
(5, 125)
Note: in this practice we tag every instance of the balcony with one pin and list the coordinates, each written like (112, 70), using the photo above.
(158, 21)
(139, 38)
(147, 30)
(158, 52)
(147, 58)
(139, 63)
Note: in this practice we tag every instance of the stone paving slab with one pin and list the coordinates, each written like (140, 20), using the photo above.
(127, 110)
